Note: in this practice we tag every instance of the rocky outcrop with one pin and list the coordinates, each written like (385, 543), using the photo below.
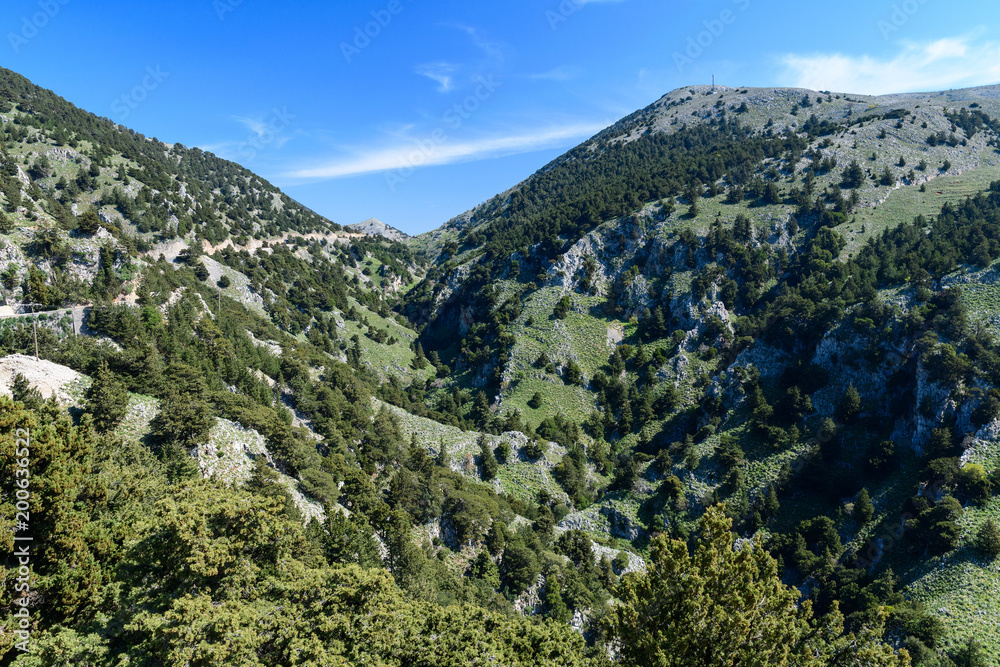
(374, 227)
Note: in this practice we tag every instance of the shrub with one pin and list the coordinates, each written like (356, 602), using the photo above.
(988, 539)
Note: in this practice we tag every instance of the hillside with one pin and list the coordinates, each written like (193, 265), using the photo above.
(701, 292)
(764, 317)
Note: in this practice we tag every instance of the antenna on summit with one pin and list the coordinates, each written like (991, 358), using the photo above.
(713, 83)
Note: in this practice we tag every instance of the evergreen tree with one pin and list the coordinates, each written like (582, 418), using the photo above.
(484, 569)
(503, 452)
(535, 401)
(481, 413)
(572, 373)
(863, 508)
(553, 603)
(487, 461)
(106, 283)
(185, 417)
(971, 654)
(89, 222)
(107, 399)
(38, 290)
(24, 393)
(718, 606)
(849, 406)
(443, 459)
(562, 308)
(854, 175)
(771, 504)
(625, 419)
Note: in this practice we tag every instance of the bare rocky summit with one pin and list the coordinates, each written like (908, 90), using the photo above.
(376, 227)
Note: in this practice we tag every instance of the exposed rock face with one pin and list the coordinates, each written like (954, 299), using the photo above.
(376, 227)
(568, 271)
(621, 525)
(47, 377)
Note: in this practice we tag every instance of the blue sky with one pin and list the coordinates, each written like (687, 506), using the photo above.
(414, 111)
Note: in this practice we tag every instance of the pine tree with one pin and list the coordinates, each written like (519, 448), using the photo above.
(771, 504)
(89, 222)
(38, 290)
(853, 176)
(625, 420)
(6, 224)
(481, 413)
(185, 417)
(107, 400)
(106, 283)
(419, 360)
(503, 451)
(487, 461)
(555, 607)
(572, 373)
(850, 405)
(535, 401)
(443, 459)
(718, 606)
(863, 508)
(24, 393)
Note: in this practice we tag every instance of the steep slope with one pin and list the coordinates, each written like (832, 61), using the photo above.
(774, 298)
(707, 302)
(239, 346)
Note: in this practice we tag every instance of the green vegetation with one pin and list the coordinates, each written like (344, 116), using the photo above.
(717, 606)
(717, 323)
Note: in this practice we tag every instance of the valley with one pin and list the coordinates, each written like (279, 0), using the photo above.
(761, 316)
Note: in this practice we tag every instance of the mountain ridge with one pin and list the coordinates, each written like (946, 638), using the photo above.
(708, 323)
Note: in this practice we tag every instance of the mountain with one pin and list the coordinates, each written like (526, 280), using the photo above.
(703, 291)
(375, 227)
(753, 317)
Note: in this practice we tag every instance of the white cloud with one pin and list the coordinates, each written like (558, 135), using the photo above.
(428, 153)
(256, 126)
(440, 72)
(918, 67)
(492, 49)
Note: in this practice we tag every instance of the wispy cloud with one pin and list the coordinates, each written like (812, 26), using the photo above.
(387, 159)
(439, 72)
(492, 49)
(253, 124)
(945, 63)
